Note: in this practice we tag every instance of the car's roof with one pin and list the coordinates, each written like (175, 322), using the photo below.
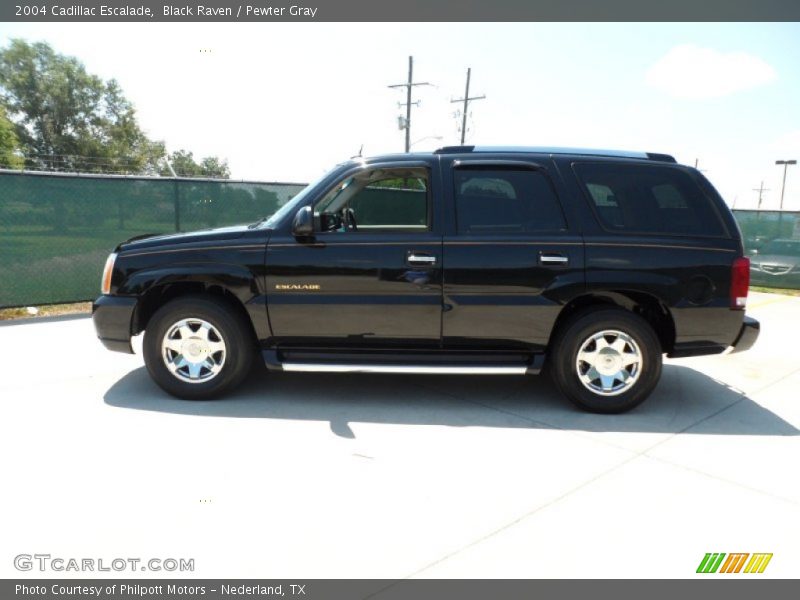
(542, 150)
(558, 150)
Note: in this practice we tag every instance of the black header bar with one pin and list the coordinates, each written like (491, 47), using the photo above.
(399, 10)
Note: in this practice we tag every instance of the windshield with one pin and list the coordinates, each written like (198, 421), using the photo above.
(292, 204)
(787, 247)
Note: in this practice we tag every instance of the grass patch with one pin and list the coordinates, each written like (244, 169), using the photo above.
(769, 290)
(49, 310)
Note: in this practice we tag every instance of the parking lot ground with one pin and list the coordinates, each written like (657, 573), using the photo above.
(318, 475)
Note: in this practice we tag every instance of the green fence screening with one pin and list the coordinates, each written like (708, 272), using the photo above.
(56, 230)
(772, 241)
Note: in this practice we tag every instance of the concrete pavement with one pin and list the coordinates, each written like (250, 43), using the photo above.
(316, 475)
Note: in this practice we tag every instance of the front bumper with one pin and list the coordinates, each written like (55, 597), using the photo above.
(748, 335)
(112, 316)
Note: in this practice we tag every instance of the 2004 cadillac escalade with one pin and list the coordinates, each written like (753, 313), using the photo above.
(589, 264)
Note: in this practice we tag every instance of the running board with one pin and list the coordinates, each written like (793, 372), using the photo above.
(273, 363)
(421, 369)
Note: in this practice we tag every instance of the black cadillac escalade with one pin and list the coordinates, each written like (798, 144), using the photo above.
(507, 261)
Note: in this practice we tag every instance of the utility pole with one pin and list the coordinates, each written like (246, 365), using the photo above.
(466, 100)
(785, 164)
(408, 103)
(761, 189)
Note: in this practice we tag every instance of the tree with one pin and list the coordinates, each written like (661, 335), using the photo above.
(9, 144)
(212, 166)
(184, 164)
(69, 119)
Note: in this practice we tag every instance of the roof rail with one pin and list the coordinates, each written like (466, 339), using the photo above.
(454, 149)
(661, 157)
(556, 150)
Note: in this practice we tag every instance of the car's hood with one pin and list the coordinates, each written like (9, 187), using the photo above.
(778, 260)
(173, 239)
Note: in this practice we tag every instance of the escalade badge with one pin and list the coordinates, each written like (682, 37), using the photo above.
(297, 286)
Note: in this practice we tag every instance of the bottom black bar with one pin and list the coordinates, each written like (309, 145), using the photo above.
(733, 587)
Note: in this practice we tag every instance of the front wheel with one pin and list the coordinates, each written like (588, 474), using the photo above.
(198, 347)
(606, 361)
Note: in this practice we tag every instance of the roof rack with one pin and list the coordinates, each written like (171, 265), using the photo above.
(556, 150)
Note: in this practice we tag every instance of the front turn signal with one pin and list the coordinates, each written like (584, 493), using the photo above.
(105, 285)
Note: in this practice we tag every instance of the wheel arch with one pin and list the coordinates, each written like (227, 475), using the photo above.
(649, 307)
(236, 287)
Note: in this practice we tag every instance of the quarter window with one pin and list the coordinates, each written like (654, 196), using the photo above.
(648, 199)
(496, 201)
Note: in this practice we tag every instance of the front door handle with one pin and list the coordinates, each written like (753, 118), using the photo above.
(553, 259)
(416, 259)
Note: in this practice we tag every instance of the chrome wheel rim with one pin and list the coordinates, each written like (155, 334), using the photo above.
(609, 362)
(193, 350)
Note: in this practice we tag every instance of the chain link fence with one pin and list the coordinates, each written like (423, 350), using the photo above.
(56, 230)
(772, 241)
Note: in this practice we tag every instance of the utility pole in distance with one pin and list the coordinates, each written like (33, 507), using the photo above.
(760, 191)
(408, 102)
(466, 100)
(785, 164)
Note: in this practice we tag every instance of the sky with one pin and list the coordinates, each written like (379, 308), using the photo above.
(287, 101)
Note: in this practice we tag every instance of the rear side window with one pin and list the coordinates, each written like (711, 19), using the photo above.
(496, 201)
(648, 199)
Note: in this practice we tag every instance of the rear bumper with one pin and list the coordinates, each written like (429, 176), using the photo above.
(748, 335)
(112, 316)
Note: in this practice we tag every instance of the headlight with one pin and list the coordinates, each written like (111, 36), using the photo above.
(105, 285)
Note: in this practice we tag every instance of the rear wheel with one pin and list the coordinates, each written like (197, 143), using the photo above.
(198, 347)
(606, 361)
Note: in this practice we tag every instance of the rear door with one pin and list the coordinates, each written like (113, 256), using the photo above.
(511, 257)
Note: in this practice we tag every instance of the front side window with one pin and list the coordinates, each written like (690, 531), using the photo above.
(377, 200)
(497, 201)
(638, 198)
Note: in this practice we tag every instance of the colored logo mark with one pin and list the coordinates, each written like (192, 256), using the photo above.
(717, 562)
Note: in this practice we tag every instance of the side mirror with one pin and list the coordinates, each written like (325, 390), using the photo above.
(303, 224)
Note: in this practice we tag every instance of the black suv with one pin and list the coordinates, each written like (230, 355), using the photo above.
(469, 260)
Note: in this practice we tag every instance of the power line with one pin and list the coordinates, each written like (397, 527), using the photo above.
(410, 84)
(97, 168)
(466, 100)
(81, 156)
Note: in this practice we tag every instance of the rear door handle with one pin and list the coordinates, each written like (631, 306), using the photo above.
(553, 259)
(418, 259)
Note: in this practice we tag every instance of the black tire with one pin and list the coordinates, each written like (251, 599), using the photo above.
(233, 330)
(566, 371)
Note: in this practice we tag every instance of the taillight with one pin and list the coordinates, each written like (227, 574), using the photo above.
(740, 282)
(105, 284)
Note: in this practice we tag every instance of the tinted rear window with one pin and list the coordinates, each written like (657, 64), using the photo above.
(494, 201)
(649, 199)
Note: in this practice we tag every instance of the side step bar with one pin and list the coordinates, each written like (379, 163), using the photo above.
(422, 369)
(352, 365)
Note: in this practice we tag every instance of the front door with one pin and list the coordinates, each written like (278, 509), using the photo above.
(371, 275)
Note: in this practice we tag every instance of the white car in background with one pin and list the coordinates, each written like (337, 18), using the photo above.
(776, 264)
